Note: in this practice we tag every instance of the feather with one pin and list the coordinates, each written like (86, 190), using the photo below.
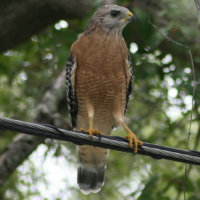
(90, 180)
(129, 76)
(70, 84)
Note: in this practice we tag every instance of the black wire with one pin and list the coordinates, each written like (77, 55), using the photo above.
(109, 142)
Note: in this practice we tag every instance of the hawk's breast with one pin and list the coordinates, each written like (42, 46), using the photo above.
(100, 77)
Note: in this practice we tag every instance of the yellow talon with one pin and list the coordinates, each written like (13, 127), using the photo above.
(91, 132)
(133, 141)
(84, 130)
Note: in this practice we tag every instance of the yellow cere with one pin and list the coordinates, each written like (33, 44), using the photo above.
(130, 13)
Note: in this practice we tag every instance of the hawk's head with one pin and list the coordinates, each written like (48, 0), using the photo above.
(110, 17)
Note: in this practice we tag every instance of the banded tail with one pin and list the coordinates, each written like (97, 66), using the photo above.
(91, 172)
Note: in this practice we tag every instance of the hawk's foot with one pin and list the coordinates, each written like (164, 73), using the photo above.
(91, 132)
(133, 141)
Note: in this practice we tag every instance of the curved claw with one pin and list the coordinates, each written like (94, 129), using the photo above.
(133, 141)
(91, 132)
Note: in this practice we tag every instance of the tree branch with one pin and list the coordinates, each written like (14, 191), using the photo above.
(23, 145)
(21, 19)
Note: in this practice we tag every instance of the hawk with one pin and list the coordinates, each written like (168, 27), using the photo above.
(99, 79)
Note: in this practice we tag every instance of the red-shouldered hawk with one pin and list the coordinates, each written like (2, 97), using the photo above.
(99, 78)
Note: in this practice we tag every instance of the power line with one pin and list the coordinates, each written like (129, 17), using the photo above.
(109, 142)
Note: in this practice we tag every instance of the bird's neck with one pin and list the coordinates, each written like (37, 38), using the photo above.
(103, 31)
(103, 40)
(95, 27)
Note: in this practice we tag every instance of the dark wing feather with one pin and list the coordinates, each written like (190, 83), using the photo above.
(70, 83)
(129, 76)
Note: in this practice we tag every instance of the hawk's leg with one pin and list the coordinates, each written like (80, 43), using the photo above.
(91, 130)
(132, 139)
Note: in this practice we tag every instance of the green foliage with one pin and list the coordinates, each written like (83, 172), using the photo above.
(159, 110)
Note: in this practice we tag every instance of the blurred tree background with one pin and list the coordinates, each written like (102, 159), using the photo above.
(35, 37)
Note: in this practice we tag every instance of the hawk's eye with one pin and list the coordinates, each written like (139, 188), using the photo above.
(114, 13)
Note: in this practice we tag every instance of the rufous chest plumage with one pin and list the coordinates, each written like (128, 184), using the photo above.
(100, 76)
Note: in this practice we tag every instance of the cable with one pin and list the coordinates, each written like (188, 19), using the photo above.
(109, 142)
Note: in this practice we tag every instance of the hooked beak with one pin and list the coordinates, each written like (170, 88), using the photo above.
(130, 17)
